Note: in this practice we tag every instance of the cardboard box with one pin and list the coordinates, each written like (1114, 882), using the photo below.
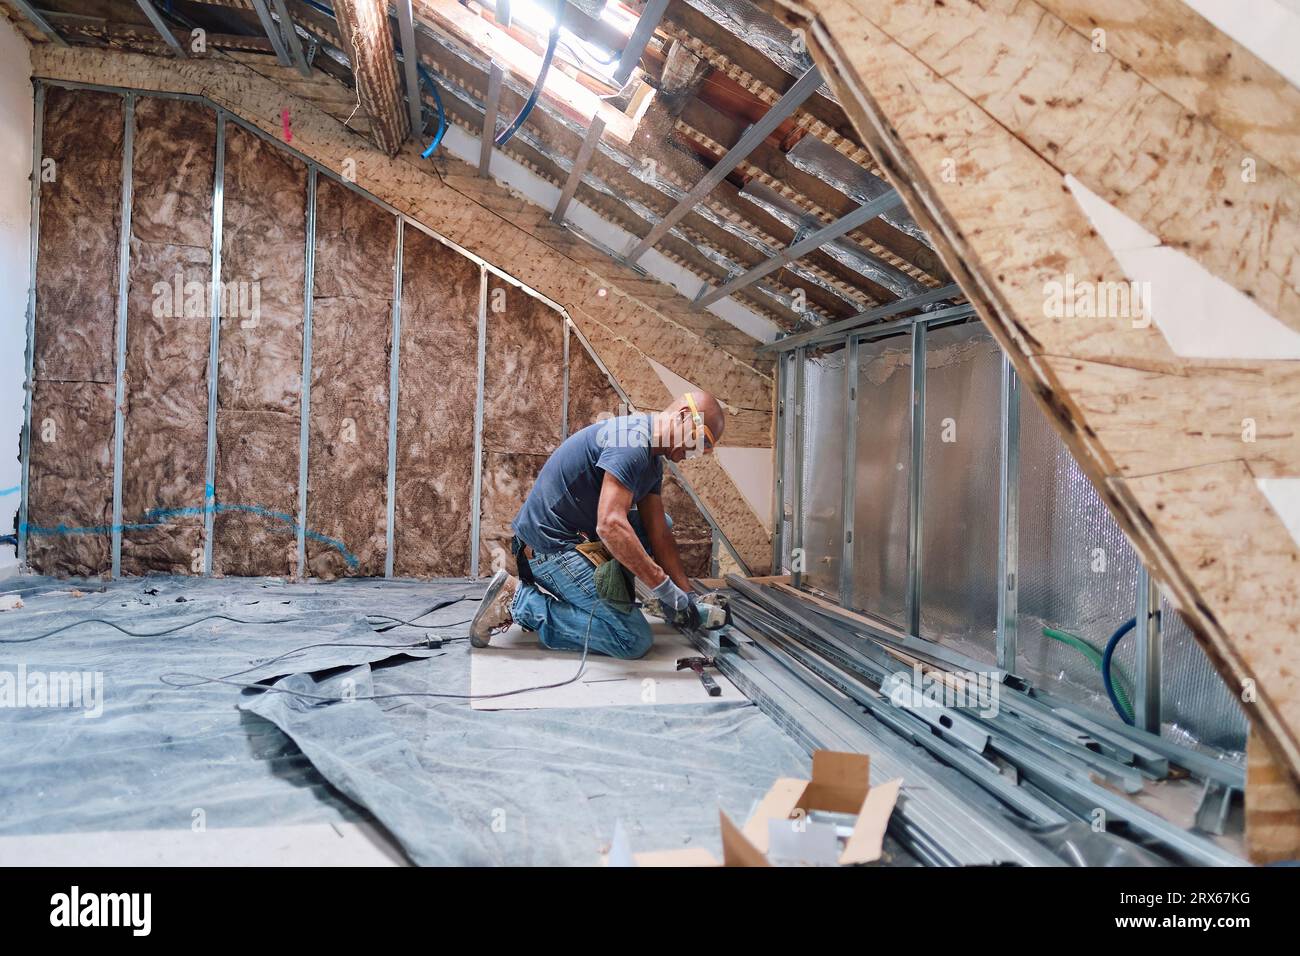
(780, 827)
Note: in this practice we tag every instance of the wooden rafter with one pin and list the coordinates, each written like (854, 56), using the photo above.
(368, 42)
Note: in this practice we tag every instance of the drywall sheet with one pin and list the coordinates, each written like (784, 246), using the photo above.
(438, 385)
(70, 505)
(352, 313)
(167, 340)
(516, 659)
(523, 392)
(259, 372)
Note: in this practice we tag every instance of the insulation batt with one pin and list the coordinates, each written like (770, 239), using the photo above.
(70, 509)
(259, 377)
(347, 469)
(438, 365)
(168, 333)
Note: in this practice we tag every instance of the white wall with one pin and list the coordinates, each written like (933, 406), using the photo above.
(15, 238)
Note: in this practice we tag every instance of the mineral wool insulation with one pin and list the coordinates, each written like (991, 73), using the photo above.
(269, 197)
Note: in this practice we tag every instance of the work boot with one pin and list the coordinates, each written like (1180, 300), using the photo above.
(494, 612)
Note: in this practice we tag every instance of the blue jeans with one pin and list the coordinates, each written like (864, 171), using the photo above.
(561, 618)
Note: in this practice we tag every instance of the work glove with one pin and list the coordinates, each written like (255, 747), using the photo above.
(670, 596)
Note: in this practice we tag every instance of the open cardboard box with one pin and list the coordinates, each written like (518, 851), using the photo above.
(840, 783)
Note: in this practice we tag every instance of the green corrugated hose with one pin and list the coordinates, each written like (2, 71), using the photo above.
(1093, 655)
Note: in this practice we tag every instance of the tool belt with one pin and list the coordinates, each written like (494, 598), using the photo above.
(614, 583)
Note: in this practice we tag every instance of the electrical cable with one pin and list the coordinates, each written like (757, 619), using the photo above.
(442, 113)
(397, 622)
(1106, 663)
(199, 679)
(234, 620)
(527, 108)
(128, 633)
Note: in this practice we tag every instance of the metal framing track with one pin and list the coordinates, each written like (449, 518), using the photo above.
(214, 343)
(394, 387)
(304, 408)
(123, 288)
(29, 381)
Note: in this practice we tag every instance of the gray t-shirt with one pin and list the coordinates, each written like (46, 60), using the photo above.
(560, 511)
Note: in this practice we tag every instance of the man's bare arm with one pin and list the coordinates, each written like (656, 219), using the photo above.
(617, 533)
(662, 543)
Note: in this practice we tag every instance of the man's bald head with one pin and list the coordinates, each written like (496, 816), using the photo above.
(678, 434)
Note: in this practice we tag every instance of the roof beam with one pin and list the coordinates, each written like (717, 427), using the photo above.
(802, 247)
(410, 59)
(39, 21)
(580, 165)
(641, 34)
(368, 42)
(160, 25)
(291, 38)
(803, 88)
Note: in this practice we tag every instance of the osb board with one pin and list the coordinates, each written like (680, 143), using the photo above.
(70, 507)
(1006, 225)
(484, 217)
(1088, 114)
(263, 248)
(70, 501)
(259, 367)
(438, 385)
(523, 384)
(165, 442)
(352, 315)
(77, 250)
(1182, 54)
(253, 531)
(507, 479)
(1272, 807)
(168, 331)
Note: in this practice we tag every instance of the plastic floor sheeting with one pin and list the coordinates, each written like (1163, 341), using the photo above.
(452, 785)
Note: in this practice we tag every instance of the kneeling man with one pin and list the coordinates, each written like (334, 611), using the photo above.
(587, 491)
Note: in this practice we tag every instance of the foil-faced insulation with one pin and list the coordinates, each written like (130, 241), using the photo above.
(1077, 571)
(828, 164)
(823, 469)
(259, 369)
(70, 490)
(352, 313)
(168, 326)
(959, 497)
(883, 472)
(438, 385)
